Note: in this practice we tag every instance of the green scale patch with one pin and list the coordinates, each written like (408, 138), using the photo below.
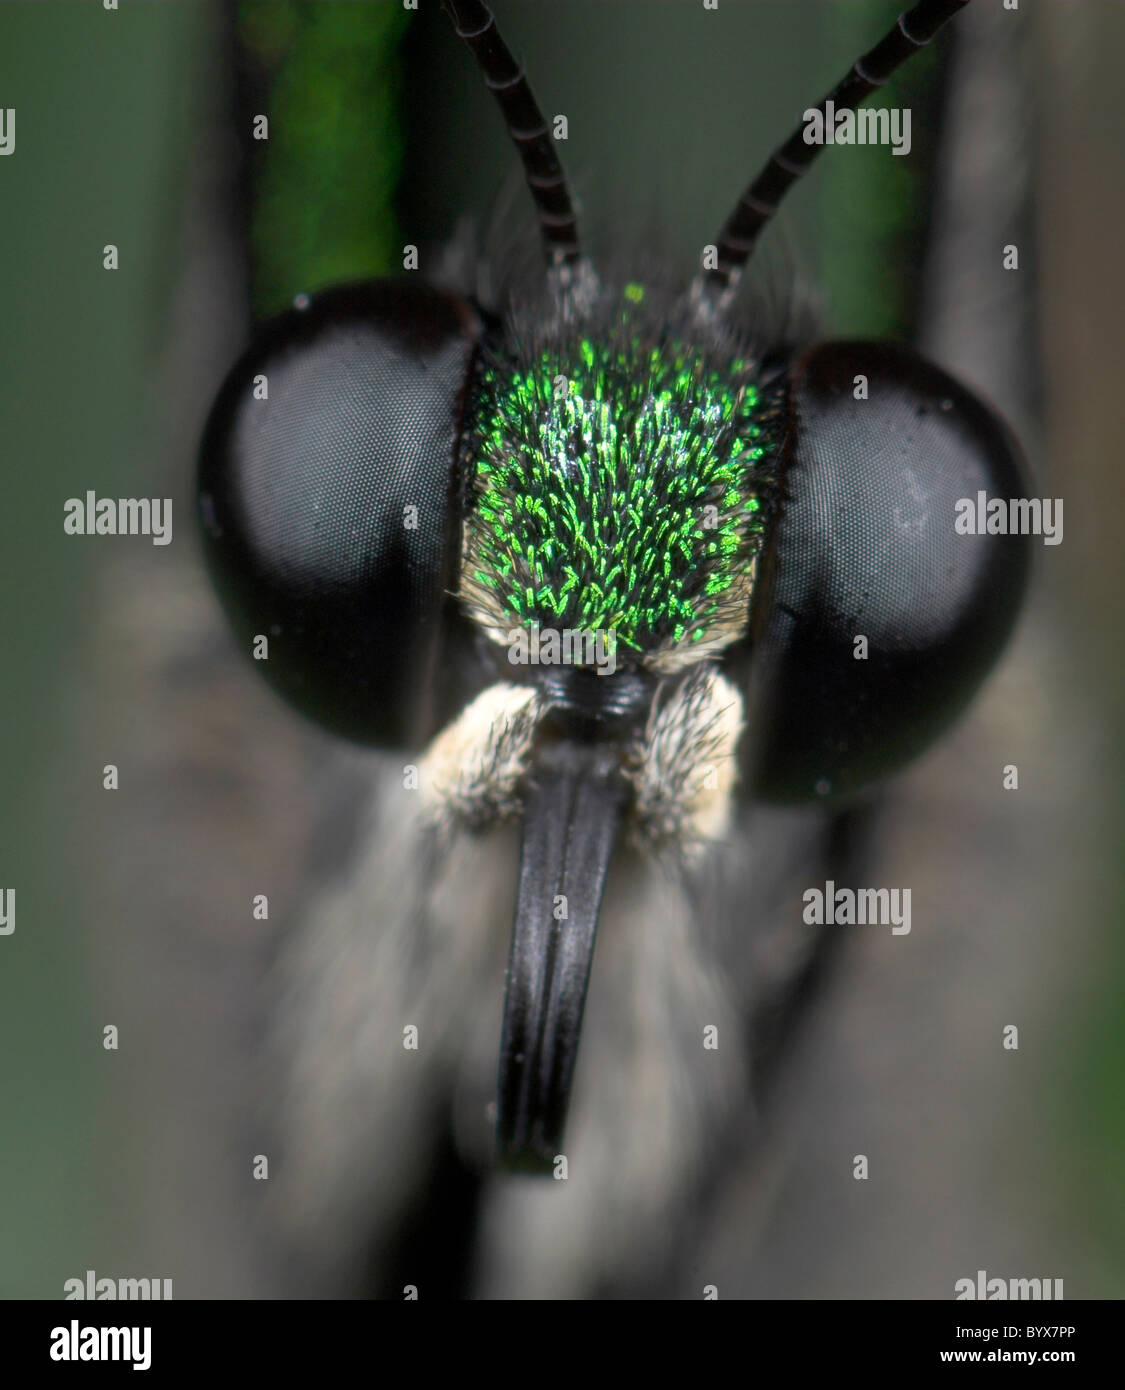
(617, 487)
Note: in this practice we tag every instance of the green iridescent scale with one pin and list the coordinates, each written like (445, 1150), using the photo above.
(618, 486)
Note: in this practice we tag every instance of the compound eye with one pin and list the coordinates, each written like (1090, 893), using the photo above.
(877, 616)
(329, 500)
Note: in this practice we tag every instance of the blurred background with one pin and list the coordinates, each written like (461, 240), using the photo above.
(134, 128)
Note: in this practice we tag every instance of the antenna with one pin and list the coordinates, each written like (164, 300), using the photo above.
(913, 30)
(505, 79)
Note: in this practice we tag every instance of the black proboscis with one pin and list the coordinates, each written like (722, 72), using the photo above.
(571, 815)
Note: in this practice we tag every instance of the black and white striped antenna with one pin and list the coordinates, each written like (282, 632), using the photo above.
(505, 79)
(913, 30)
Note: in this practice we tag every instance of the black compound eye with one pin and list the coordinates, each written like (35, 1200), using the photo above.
(329, 500)
(874, 619)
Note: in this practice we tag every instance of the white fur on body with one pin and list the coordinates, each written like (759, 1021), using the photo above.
(418, 935)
